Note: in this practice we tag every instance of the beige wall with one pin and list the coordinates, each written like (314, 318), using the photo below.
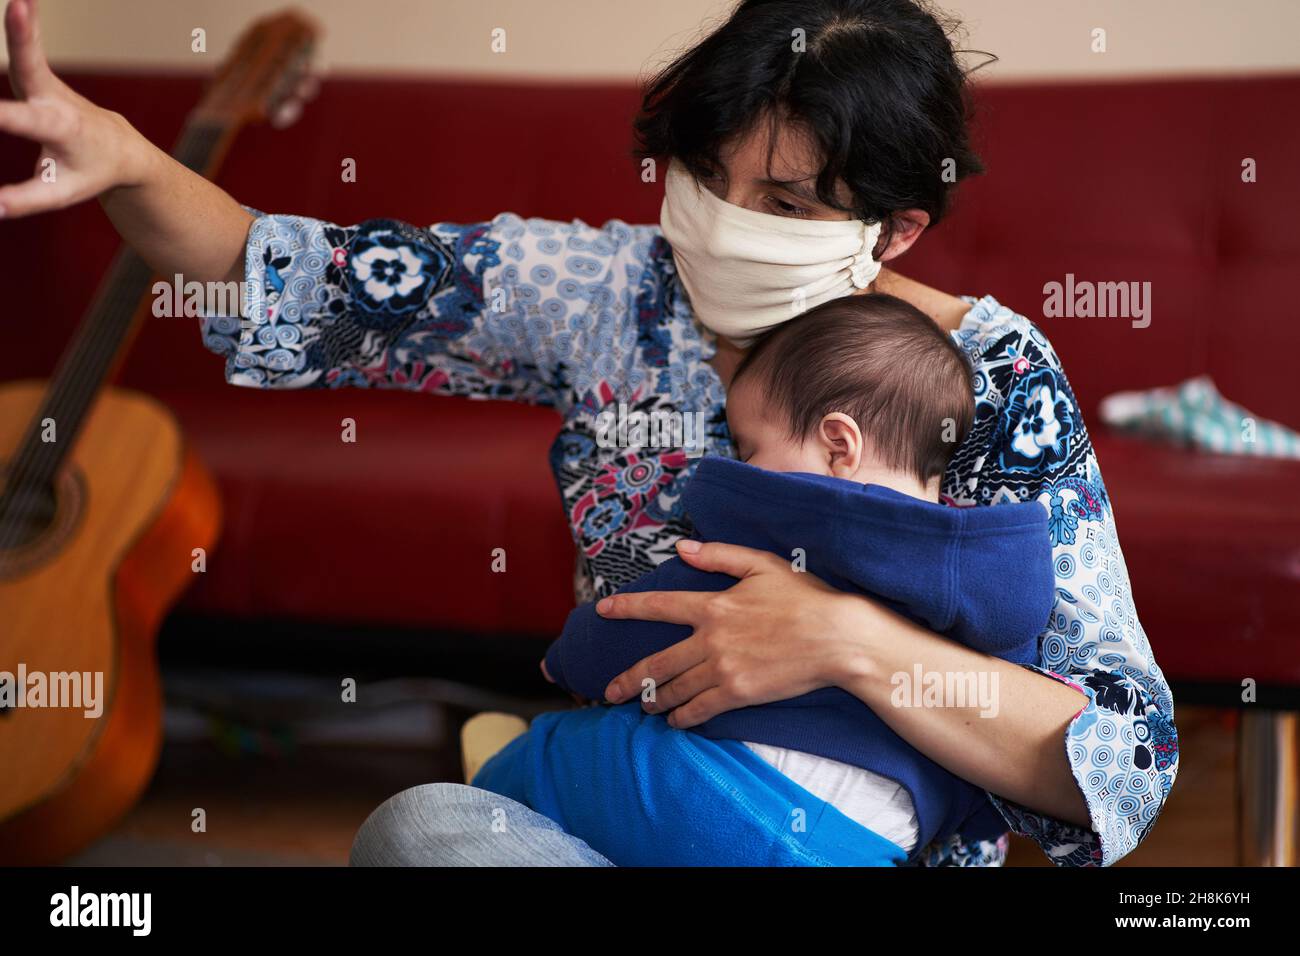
(624, 38)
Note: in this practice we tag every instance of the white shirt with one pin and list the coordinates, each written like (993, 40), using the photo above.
(878, 803)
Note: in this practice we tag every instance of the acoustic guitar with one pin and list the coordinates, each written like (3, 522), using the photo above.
(103, 509)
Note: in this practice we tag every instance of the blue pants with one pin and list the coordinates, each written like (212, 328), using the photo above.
(644, 794)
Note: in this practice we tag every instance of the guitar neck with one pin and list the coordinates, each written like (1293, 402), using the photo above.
(104, 334)
(260, 80)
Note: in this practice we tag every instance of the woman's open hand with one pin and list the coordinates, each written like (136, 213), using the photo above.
(85, 150)
(777, 633)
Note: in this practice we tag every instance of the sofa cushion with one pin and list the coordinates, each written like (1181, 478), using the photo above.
(401, 526)
(1213, 546)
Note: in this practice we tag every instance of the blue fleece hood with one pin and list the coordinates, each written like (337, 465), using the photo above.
(982, 575)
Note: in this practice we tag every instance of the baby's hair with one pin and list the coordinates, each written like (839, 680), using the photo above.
(880, 361)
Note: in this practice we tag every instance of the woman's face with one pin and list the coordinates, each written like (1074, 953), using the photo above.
(781, 181)
(780, 184)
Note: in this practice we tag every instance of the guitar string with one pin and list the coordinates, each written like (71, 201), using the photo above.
(94, 349)
(73, 378)
(37, 458)
(77, 386)
(81, 387)
(34, 459)
(111, 319)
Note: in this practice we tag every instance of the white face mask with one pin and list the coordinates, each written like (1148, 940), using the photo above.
(746, 271)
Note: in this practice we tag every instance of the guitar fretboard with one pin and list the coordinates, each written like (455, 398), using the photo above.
(96, 347)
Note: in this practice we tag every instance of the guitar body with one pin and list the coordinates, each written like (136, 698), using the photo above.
(88, 596)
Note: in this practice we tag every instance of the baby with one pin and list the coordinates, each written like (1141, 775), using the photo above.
(843, 421)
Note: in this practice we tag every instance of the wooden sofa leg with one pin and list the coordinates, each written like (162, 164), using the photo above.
(1268, 777)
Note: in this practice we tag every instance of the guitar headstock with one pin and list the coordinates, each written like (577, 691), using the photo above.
(267, 75)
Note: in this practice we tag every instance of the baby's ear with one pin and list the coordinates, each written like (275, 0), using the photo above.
(842, 439)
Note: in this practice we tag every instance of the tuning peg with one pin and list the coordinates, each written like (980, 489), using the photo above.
(287, 113)
(307, 87)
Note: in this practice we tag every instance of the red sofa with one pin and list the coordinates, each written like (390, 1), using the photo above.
(1110, 182)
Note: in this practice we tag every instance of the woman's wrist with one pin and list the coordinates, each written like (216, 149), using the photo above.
(142, 161)
(856, 624)
(139, 162)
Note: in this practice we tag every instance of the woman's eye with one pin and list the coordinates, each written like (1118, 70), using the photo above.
(787, 209)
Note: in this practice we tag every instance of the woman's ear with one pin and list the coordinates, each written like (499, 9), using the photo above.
(905, 228)
(842, 441)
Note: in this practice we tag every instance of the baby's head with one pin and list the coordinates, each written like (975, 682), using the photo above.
(863, 387)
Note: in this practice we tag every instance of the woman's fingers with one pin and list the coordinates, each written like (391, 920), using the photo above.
(680, 689)
(671, 607)
(70, 129)
(33, 196)
(733, 559)
(29, 72)
(658, 669)
(700, 708)
(50, 123)
(45, 121)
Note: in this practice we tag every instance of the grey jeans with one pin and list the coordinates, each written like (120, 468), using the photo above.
(450, 824)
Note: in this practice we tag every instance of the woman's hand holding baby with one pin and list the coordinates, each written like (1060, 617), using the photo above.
(773, 635)
(778, 633)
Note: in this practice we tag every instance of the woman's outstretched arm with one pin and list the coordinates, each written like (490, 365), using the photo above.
(488, 309)
(175, 219)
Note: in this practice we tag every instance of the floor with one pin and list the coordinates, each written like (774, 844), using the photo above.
(276, 800)
(299, 809)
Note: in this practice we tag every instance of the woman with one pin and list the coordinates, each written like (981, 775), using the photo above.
(813, 118)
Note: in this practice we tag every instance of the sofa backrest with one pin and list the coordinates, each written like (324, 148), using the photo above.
(1107, 182)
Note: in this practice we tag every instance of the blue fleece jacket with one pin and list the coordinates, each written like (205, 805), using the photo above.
(982, 576)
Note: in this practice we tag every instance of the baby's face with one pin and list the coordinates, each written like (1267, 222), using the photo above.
(835, 448)
(762, 438)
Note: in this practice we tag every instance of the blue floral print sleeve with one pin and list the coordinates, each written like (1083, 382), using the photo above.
(593, 321)
(452, 309)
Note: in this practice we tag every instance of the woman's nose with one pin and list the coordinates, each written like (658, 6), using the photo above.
(741, 196)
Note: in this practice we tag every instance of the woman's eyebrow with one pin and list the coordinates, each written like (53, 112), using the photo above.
(796, 187)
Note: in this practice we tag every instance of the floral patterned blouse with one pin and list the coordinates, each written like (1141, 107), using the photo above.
(582, 319)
